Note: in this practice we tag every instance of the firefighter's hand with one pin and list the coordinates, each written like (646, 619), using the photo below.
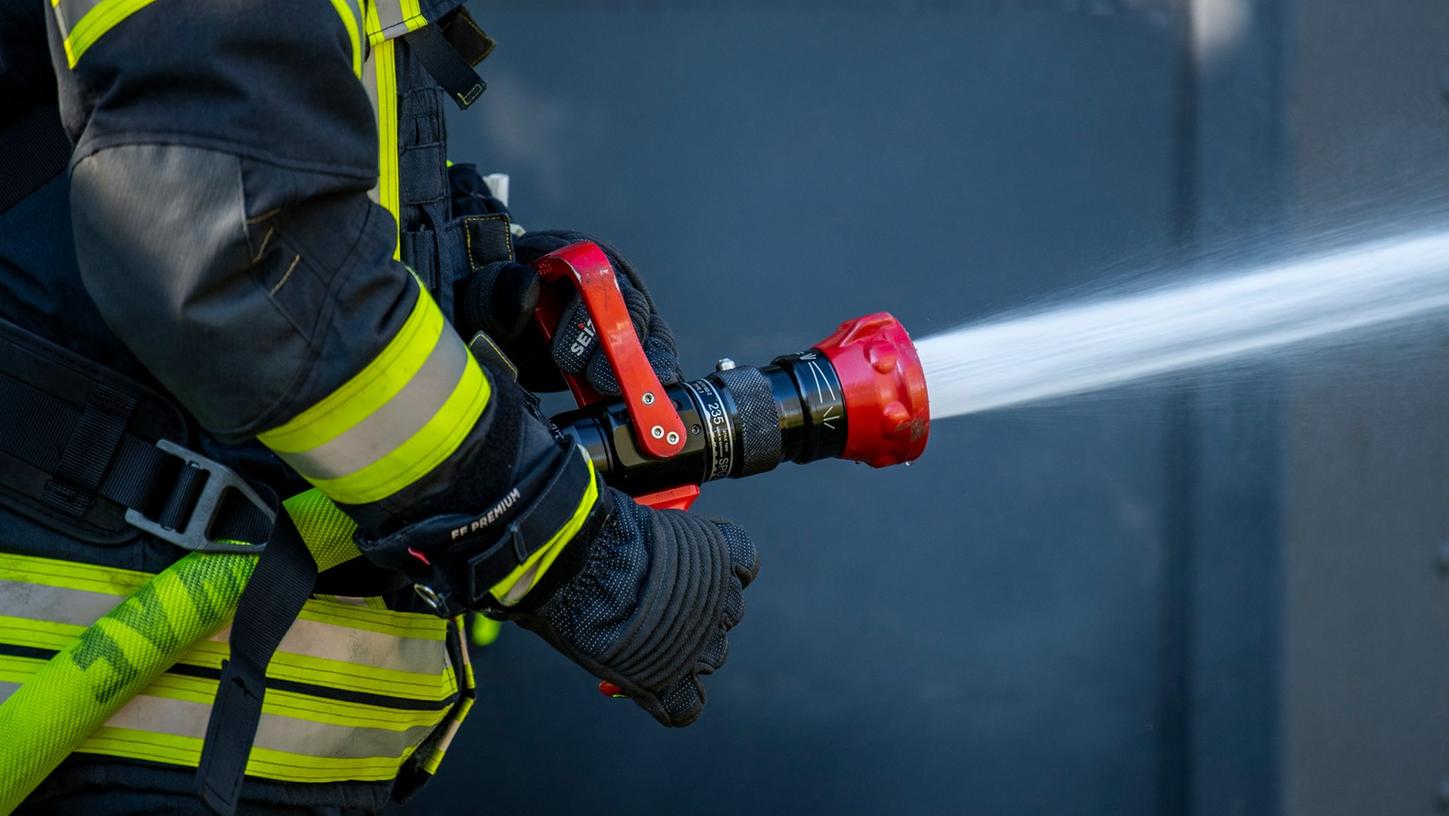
(650, 605)
(500, 298)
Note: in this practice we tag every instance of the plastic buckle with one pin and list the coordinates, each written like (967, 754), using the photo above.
(196, 535)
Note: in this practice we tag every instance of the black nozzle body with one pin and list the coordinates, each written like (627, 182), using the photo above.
(740, 421)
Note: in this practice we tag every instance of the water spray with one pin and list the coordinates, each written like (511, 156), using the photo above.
(1146, 332)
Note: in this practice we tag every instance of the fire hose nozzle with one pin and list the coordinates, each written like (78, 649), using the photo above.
(859, 394)
(887, 412)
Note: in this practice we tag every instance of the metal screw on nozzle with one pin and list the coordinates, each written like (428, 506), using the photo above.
(673, 438)
(657, 432)
(648, 398)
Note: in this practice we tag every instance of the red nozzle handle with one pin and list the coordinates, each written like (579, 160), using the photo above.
(656, 424)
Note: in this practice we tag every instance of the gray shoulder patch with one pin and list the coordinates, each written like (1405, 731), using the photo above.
(161, 240)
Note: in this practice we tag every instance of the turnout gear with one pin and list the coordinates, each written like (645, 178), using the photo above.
(264, 217)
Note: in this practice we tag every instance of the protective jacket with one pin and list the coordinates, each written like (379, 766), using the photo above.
(274, 174)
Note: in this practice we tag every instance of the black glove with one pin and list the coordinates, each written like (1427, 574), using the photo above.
(650, 605)
(641, 598)
(499, 300)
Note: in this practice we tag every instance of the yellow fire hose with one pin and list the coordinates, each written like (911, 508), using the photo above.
(125, 651)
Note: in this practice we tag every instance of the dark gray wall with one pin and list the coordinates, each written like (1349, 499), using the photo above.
(1063, 609)
(1366, 606)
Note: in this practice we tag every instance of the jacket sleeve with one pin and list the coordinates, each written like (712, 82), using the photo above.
(226, 152)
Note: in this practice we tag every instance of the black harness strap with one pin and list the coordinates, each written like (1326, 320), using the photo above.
(35, 150)
(89, 454)
(97, 436)
(446, 65)
(281, 583)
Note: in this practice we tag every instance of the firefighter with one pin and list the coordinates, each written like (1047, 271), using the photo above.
(230, 250)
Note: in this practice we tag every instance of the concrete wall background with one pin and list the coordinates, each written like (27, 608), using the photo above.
(1366, 606)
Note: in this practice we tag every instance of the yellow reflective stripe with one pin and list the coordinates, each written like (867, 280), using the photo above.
(71, 574)
(393, 18)
(434, 685)
(349, 645)
(37, 634)
(14, 669)
(389, 186)
(83, 22)
(271, 764)
(412, 14)
(512, 588)
(373, 619)
(393, 422)
(449, 732)
(370, 389)
(351, 23)
(425, 450)
(123, 582)
(380, 81)
(333, 643)
(465, 702)
(469, 681)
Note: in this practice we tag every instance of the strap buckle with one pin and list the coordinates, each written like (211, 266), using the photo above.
(196, 532)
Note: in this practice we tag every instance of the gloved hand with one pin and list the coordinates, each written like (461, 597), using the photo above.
(650, 605)
(641, 598)
(499, 300)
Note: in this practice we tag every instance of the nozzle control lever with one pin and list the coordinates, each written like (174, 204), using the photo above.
(657, 427)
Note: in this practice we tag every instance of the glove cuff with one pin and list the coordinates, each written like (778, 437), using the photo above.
(488, 560)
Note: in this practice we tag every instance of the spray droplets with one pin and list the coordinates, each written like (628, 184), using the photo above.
(1107, 342)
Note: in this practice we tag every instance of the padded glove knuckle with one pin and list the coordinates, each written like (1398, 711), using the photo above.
(650, 607)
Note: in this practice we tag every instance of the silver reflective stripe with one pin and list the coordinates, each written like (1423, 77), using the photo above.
(369, 84)
(359, 15)
(70, 12)
(389, 14)
(308, 638)
(159, 715)
(360, 647)
(78, 607)
(392, 424)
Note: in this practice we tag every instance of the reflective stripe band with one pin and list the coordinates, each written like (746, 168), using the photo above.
(276, 732)
(379, 79)
(393, 422)
(511, 589)
(348, 11)
(333, 643)
(393, 18)
(344, 702)
(390, 423)
(83, 22)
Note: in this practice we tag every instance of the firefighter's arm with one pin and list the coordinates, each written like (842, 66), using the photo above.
(220, 197)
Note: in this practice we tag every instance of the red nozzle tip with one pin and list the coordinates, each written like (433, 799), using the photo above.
(887, 413)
